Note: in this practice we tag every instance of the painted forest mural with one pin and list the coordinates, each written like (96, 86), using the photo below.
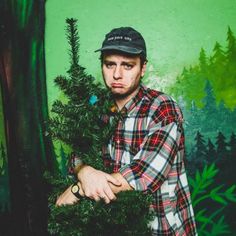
(206, 92)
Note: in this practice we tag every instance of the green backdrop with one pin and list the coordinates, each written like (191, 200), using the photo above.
(175, 31)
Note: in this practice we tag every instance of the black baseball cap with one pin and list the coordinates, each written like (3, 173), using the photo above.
(124, 39)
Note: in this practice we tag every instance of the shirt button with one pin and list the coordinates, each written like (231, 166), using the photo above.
(118, 141)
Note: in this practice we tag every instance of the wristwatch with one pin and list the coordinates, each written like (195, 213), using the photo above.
(75, 190)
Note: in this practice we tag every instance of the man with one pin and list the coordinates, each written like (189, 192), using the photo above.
(146, 151)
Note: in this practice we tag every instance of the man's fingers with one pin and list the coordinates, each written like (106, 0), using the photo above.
(66, 198)
(95, 184)
(59, 200)
(102, 196)
(113, 180)
(109, 193)
(105, 199)
(96, 198)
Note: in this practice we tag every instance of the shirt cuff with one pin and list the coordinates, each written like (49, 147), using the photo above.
(136, 182)
(73, 163)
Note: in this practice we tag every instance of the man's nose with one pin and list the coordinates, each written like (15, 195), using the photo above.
(117, 73)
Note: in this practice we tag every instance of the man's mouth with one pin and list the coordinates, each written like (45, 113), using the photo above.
(117, 85)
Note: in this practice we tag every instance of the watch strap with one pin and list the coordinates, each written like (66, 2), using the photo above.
(77, 192)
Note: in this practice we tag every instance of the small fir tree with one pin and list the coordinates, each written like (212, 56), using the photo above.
(231, 47)
(83, 124)
(209, 100)
(199, 151)
(203, 59)
(223, 115)
(210, 152)
(221, 145)
(221, 149)
(218, 58)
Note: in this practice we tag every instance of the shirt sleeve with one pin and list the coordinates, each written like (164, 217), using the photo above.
(151, 165)
(74, 161)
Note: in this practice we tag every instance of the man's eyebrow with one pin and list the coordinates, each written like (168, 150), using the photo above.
(133, 62)
(129, 62)
(108, 61)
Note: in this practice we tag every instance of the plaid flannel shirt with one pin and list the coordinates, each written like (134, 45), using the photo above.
(147, 148)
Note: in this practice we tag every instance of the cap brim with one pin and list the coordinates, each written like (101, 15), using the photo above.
(121, 48)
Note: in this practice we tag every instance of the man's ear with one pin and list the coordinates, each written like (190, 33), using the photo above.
(144, 67)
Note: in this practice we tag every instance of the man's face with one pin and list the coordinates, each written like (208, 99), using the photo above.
(122, 74)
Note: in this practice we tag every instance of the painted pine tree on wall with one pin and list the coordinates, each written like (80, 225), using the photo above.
(218, 69)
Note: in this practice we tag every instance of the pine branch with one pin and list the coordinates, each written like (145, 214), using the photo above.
(73, 39)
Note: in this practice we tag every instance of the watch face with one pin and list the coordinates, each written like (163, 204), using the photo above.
(75, 188)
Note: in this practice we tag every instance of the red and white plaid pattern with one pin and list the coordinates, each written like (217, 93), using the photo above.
(147, 148)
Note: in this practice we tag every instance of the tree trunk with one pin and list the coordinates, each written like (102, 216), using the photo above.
(23, 82)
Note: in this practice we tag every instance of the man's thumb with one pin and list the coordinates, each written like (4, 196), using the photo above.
(113, 180)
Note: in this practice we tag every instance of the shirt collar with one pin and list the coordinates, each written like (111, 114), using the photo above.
(129, 106)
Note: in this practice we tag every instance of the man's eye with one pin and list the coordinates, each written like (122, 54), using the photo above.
(128, 66)
(109, 65)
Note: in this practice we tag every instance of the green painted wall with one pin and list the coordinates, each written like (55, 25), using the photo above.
(174, 31)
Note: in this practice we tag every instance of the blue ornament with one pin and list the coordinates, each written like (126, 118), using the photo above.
(93, 99)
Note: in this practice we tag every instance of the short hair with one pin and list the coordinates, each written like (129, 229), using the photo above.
(143, 59)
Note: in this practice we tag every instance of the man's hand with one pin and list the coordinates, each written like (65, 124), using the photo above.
(124, 184)
(68, 198)
(95, 184)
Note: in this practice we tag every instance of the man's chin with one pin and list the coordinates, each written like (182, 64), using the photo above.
(118, 91)
(119, 94)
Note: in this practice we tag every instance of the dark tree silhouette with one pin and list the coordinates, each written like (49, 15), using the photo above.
(199, 152)
(221, 144)
(210, 152)
(221, 148)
